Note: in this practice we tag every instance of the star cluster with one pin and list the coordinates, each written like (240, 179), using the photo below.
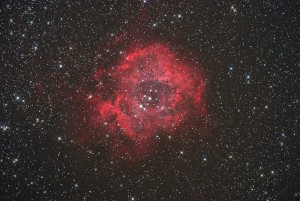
(60, 64)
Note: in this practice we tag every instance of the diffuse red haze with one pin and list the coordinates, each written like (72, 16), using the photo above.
(153, 93)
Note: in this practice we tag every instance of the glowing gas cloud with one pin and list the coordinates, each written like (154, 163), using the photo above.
(151, 92)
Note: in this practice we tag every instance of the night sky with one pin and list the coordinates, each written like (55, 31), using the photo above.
(79, 119)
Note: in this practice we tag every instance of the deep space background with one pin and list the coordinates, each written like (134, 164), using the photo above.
(248, 52)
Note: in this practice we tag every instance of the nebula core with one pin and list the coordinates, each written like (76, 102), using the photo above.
(151, 93)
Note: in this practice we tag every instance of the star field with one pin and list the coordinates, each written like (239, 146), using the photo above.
(245, 146)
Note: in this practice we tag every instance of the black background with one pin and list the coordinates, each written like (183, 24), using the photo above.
(248, 51)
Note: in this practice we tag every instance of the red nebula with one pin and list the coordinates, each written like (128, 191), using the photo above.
(150, 92)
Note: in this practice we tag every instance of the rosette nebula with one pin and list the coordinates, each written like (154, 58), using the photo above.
(149, 93)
